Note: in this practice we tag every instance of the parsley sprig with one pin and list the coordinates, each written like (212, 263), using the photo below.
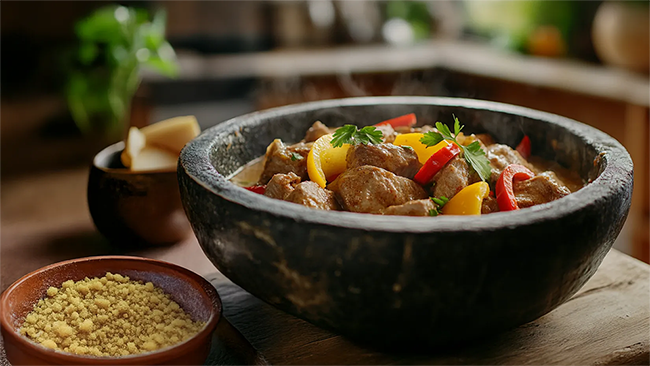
(349, 134)
(438, 203)
(473, 153)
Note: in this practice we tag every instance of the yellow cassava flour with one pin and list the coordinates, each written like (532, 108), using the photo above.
(108, 316)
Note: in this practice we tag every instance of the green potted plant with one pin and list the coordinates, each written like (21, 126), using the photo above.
(115, 43)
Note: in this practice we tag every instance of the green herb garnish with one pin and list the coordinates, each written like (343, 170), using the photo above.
(349, 134)
(296, 156)
(406, 147)
(474, 155)
(439, 203)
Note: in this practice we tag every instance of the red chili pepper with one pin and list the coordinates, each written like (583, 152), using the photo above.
(433, 165)
(505, 192)
(524, 147)
(257, 189)
(407, 120)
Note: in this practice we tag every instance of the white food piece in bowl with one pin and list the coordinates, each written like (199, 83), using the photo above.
(153, 158)
(172, 134)
(135, 142)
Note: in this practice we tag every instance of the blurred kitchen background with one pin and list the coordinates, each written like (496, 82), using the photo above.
(587, 60)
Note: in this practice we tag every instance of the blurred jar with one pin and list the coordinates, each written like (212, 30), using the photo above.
(361, 19)
(310, 23)
(621, 34)
(407, 22)
(218, 26)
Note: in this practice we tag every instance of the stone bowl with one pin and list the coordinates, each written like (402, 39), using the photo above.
(407, 281)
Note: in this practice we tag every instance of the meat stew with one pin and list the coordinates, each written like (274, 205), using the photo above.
(382, 173)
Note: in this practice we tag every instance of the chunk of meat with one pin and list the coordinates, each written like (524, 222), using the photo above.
(282, 159)
(370, 189)
(452, 178)
(316, 131)
(542, 188)
(489, 205)
(500, 156)
(310, 194)
(388, 132)
(412, 208)
(396, 159)
(281, 185)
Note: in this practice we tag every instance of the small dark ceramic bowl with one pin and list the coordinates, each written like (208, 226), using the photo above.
(191, 291)
(392, 280)
(135, 208)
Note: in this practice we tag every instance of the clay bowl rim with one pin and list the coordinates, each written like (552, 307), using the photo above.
(115, 148)
(73, 359)
(195, 160)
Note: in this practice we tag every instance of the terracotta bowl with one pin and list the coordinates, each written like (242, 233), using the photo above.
(395, 280)
(135, 208)
(191, 291)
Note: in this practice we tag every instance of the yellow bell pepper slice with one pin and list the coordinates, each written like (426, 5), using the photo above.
(423, 151)
(325, 161)
(468, 201)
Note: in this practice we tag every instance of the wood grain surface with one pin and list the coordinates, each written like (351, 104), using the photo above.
(607, 322)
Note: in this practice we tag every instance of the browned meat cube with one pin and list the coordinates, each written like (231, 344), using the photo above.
(312, 195)
(370, 189)
(489, 205)
(316, 131)
(451, 178)
(500, 156)
(412, 208)
(396, 159)
(542, 188)
(282, 159)
(281, 185)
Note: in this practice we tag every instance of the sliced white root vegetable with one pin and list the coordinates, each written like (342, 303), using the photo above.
(153, 158)
(135, 142)
(172, 134)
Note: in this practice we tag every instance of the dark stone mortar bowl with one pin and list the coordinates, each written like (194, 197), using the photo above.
(397, 281)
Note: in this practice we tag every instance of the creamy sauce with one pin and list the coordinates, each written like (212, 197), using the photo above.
(249, 174)
(570, 178)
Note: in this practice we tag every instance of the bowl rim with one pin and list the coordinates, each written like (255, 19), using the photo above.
(116, 148)
(71, 358)
(195, 163)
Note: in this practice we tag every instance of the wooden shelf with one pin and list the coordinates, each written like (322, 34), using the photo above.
(462, 56)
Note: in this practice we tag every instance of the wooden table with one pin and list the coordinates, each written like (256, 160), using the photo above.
(45, 220)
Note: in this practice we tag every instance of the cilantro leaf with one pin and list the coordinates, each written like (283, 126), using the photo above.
(296, 156)
(473, 154)
(349, 134)
(431, 138)
(457, 126)
(444, 131)
(476, 158)
(375, 135)
(343, 135)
